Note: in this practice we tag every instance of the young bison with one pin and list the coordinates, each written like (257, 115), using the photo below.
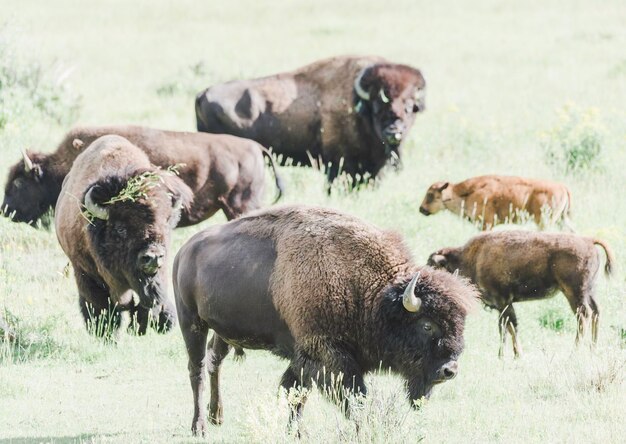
(331, 293)
(516, 266)
(492, 200)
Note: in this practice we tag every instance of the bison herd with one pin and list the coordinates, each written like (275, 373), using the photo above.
(334, 295)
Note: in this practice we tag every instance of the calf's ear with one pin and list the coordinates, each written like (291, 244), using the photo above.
(439, 260)
(443, 186)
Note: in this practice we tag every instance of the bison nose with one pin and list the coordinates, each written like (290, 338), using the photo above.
(151, 260)
(448, 371)
(424, 211)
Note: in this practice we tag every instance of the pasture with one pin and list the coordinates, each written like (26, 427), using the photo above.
(534, 88)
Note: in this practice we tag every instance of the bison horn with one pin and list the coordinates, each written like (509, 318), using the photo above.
(411, 302)
(359, 89)
(28, 164)
(97, 211)
(383, 97)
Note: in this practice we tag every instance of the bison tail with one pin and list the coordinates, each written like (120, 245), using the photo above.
(610, 258)
(278, 180)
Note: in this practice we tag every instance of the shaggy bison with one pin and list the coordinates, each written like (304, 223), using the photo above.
(224, 172)
(327, 291)
(348, 112)
(516, 266)
(492, 200)
(113, 220)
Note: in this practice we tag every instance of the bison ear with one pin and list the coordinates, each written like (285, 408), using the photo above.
(78, 144)
(443, 186)
(181, 195)
(438, 260)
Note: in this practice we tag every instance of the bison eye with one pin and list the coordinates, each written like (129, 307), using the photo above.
(416, 108)
(428, 327)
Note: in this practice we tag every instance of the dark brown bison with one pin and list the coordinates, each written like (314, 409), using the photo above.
(352, 113)
(516, 266)
(329, 292)
(491, 200)
(224, 172)
(113, 220)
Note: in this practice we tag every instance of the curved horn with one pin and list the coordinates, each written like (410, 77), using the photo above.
(97, 211)
(358, 88)
(28, 164)
(411, 302)
(383, 97)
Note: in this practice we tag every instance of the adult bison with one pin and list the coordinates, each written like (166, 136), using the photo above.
(113, 220)
(491, 200)
(516, 266)
(224, 172)
(331, 293)
(350, 112)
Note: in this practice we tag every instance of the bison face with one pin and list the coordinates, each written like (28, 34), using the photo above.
(434, 200)
(28, 193)
(433, 321)
(130, 237)
(393, 95)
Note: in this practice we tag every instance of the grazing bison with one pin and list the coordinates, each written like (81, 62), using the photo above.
(516, 266)
(132, 207)
(352, 112)
(224, 172)
(327, 291)
(492, 200)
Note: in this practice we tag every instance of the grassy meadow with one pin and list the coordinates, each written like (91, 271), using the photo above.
(534, 88)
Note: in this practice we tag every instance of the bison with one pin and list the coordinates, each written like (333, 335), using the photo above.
(352, 113)
(325, 290)
(224, 172)
(113, 220)
(516, 266)
(491, 200)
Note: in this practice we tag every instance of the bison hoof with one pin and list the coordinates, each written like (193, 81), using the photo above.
(216, 416)
(198, 427)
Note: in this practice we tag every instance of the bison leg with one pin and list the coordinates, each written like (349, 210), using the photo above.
(195, 332)
(218, 351)
(297, 393)
(101, 317)
(336, 372)
(508, 323)
(595, 320)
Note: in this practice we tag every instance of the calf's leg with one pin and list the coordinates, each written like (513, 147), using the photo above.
(508, 322)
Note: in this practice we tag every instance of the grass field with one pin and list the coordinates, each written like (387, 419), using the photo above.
(505, 81)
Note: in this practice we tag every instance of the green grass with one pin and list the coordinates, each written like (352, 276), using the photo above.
(498, 76)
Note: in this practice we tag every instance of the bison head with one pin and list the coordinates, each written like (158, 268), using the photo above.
(437, 194)
(30, 191)
(390, 96)
(131, 220)
(435, 305)
(446, 259)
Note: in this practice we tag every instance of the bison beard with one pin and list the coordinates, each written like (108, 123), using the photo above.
(284, 280)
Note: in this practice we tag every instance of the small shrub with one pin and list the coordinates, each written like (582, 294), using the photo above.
(574, 144)
(552, 320)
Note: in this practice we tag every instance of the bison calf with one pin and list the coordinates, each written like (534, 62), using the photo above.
(224, 172)
(492, 200)
(330, 293)
(516, 266)
(113, 220)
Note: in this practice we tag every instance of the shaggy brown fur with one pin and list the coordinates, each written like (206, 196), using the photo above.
(322, 289)
(108, 255)
(315, 112)
(491, 200)
(515, 266)
(225, 172)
